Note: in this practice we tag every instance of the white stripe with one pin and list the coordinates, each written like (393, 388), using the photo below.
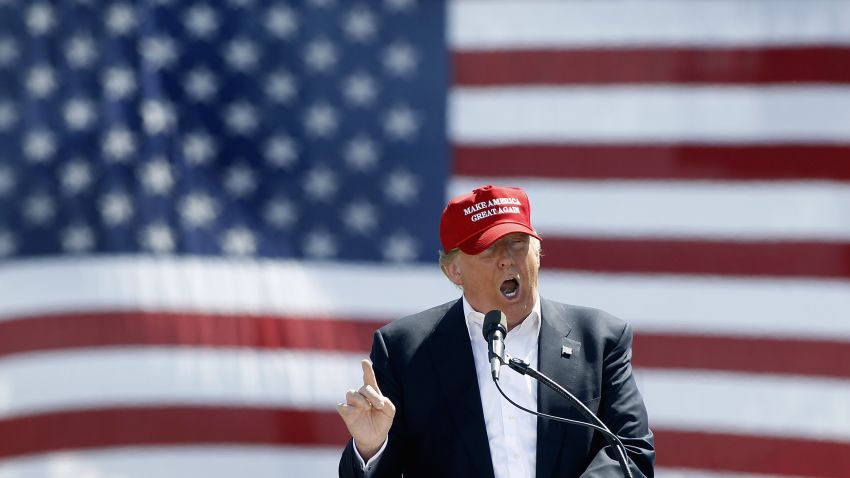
(693, 209)
(88, 378)
(781, 308)
(212, 461)
(769, 405)
(707, 401)
(718, 305)
(704, 305)
(219, 286)
(534, 24)
(649, 114)
(778, 308)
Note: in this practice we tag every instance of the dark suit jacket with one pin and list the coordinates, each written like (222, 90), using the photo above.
(424, 364)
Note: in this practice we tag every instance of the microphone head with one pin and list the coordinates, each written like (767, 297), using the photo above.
(495, 320)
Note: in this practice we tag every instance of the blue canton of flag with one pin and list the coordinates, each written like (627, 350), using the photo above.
(308, 129)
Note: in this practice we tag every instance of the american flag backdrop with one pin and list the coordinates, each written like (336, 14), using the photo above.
(206, 207)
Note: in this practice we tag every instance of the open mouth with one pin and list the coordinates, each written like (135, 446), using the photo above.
(509, 288)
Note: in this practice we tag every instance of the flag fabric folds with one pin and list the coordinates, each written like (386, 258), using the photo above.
(206, 208)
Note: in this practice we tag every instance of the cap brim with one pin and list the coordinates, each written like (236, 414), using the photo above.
(478, 243)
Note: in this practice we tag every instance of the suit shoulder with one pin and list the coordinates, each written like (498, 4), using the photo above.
(419, 324)
(588, 317)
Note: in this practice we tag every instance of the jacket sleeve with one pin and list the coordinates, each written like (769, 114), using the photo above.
(389, 465)
(622, 409)
(348, 465)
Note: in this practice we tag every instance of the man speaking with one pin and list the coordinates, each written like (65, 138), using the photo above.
(428, 406)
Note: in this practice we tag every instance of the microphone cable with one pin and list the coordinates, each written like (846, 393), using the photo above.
(610, 437)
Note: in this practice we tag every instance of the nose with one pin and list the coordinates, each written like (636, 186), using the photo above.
(505, 256)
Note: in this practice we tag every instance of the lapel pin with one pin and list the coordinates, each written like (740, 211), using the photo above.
(566, 351)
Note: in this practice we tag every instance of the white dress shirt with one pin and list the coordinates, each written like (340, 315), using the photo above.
(512, 433)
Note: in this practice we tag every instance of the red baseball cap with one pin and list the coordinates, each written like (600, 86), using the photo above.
(473, 222)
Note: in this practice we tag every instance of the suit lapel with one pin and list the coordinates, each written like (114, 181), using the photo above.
(451, 354)
(561, 365)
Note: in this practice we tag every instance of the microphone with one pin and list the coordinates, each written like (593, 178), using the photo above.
(495, 328)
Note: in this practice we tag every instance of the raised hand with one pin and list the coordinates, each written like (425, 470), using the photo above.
(367, 414)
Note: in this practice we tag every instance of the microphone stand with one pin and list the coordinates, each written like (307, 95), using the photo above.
(613, 440)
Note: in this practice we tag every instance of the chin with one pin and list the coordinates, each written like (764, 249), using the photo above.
(518, 306)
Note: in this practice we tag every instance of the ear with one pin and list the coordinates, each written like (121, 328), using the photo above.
(453, 272)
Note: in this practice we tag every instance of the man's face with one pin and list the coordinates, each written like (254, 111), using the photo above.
(502, 277)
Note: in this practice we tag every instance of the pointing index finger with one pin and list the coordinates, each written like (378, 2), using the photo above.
(369, 374)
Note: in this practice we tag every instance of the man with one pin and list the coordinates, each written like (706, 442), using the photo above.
(428, 406)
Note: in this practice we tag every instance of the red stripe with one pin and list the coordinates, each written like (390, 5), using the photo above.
(752, 454)
(670, 256)
(655, 161)
(821, 64)
(103, 329)
(169, 426)
(672, 351)
(88, 429)
(825, 358)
